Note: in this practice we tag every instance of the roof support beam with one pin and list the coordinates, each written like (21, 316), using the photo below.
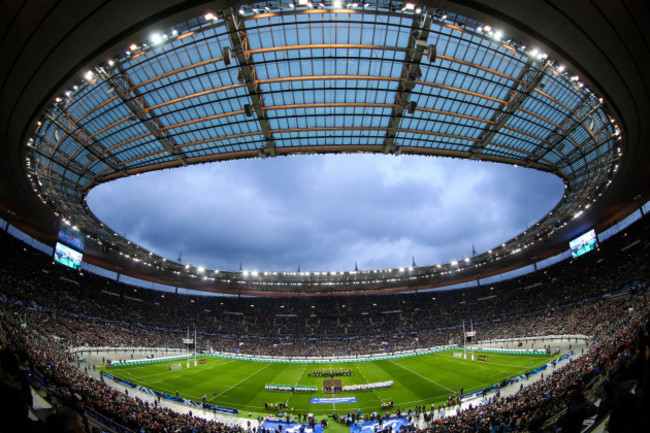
(70, 126)
(241, 48)
(51, 156)
(528, 79)
(555, 139)
(125, 89)
(410, 73)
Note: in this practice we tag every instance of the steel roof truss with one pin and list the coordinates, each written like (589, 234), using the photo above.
(410, 74)
(125, 89)
(582, 111)
(528, 80)
(72, 128)
(248, 74)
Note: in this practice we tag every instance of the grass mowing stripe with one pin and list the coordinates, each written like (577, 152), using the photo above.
(246, 378)
(364, 378)
(417, 380)
(491, 363)
(304, 367)
(423, 377)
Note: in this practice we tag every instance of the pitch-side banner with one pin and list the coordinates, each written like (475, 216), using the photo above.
(188, 341)
(470, 334)
(333, 400)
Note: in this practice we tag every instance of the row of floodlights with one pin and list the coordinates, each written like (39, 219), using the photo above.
(336, 4)
(454, 267)
(200, 270)
(454, 264)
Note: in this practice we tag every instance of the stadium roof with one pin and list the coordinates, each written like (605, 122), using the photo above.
(91, 93)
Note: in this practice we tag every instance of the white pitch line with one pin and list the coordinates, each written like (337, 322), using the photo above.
(301, 372)
(423, 377)
(490, 363)
(243, 380)
(374, 391)
(298, 380)
(163, 373)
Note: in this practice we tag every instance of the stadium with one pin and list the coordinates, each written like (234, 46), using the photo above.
(93, 92)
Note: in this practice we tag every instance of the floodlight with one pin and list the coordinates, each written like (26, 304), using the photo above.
(155, 38)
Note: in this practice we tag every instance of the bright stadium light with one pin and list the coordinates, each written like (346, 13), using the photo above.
(156, 38)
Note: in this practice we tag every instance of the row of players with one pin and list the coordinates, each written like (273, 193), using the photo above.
(331, 372)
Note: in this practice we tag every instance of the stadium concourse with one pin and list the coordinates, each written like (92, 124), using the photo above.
(47, 309)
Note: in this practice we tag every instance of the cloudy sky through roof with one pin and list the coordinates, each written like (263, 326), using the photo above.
(326, 212)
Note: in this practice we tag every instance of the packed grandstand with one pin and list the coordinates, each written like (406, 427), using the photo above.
(49, 309)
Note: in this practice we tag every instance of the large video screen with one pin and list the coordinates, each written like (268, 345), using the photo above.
(584, 243)
(67, 256)
(71, 237)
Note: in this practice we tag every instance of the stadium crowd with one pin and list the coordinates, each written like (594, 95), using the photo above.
(46, 309)
(410, 321)
(620, 352)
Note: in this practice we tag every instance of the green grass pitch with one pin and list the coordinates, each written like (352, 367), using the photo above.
(418, 380)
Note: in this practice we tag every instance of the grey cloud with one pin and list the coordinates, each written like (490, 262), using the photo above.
(326, 212)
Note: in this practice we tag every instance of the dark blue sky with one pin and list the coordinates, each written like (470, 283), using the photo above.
(326, 212)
